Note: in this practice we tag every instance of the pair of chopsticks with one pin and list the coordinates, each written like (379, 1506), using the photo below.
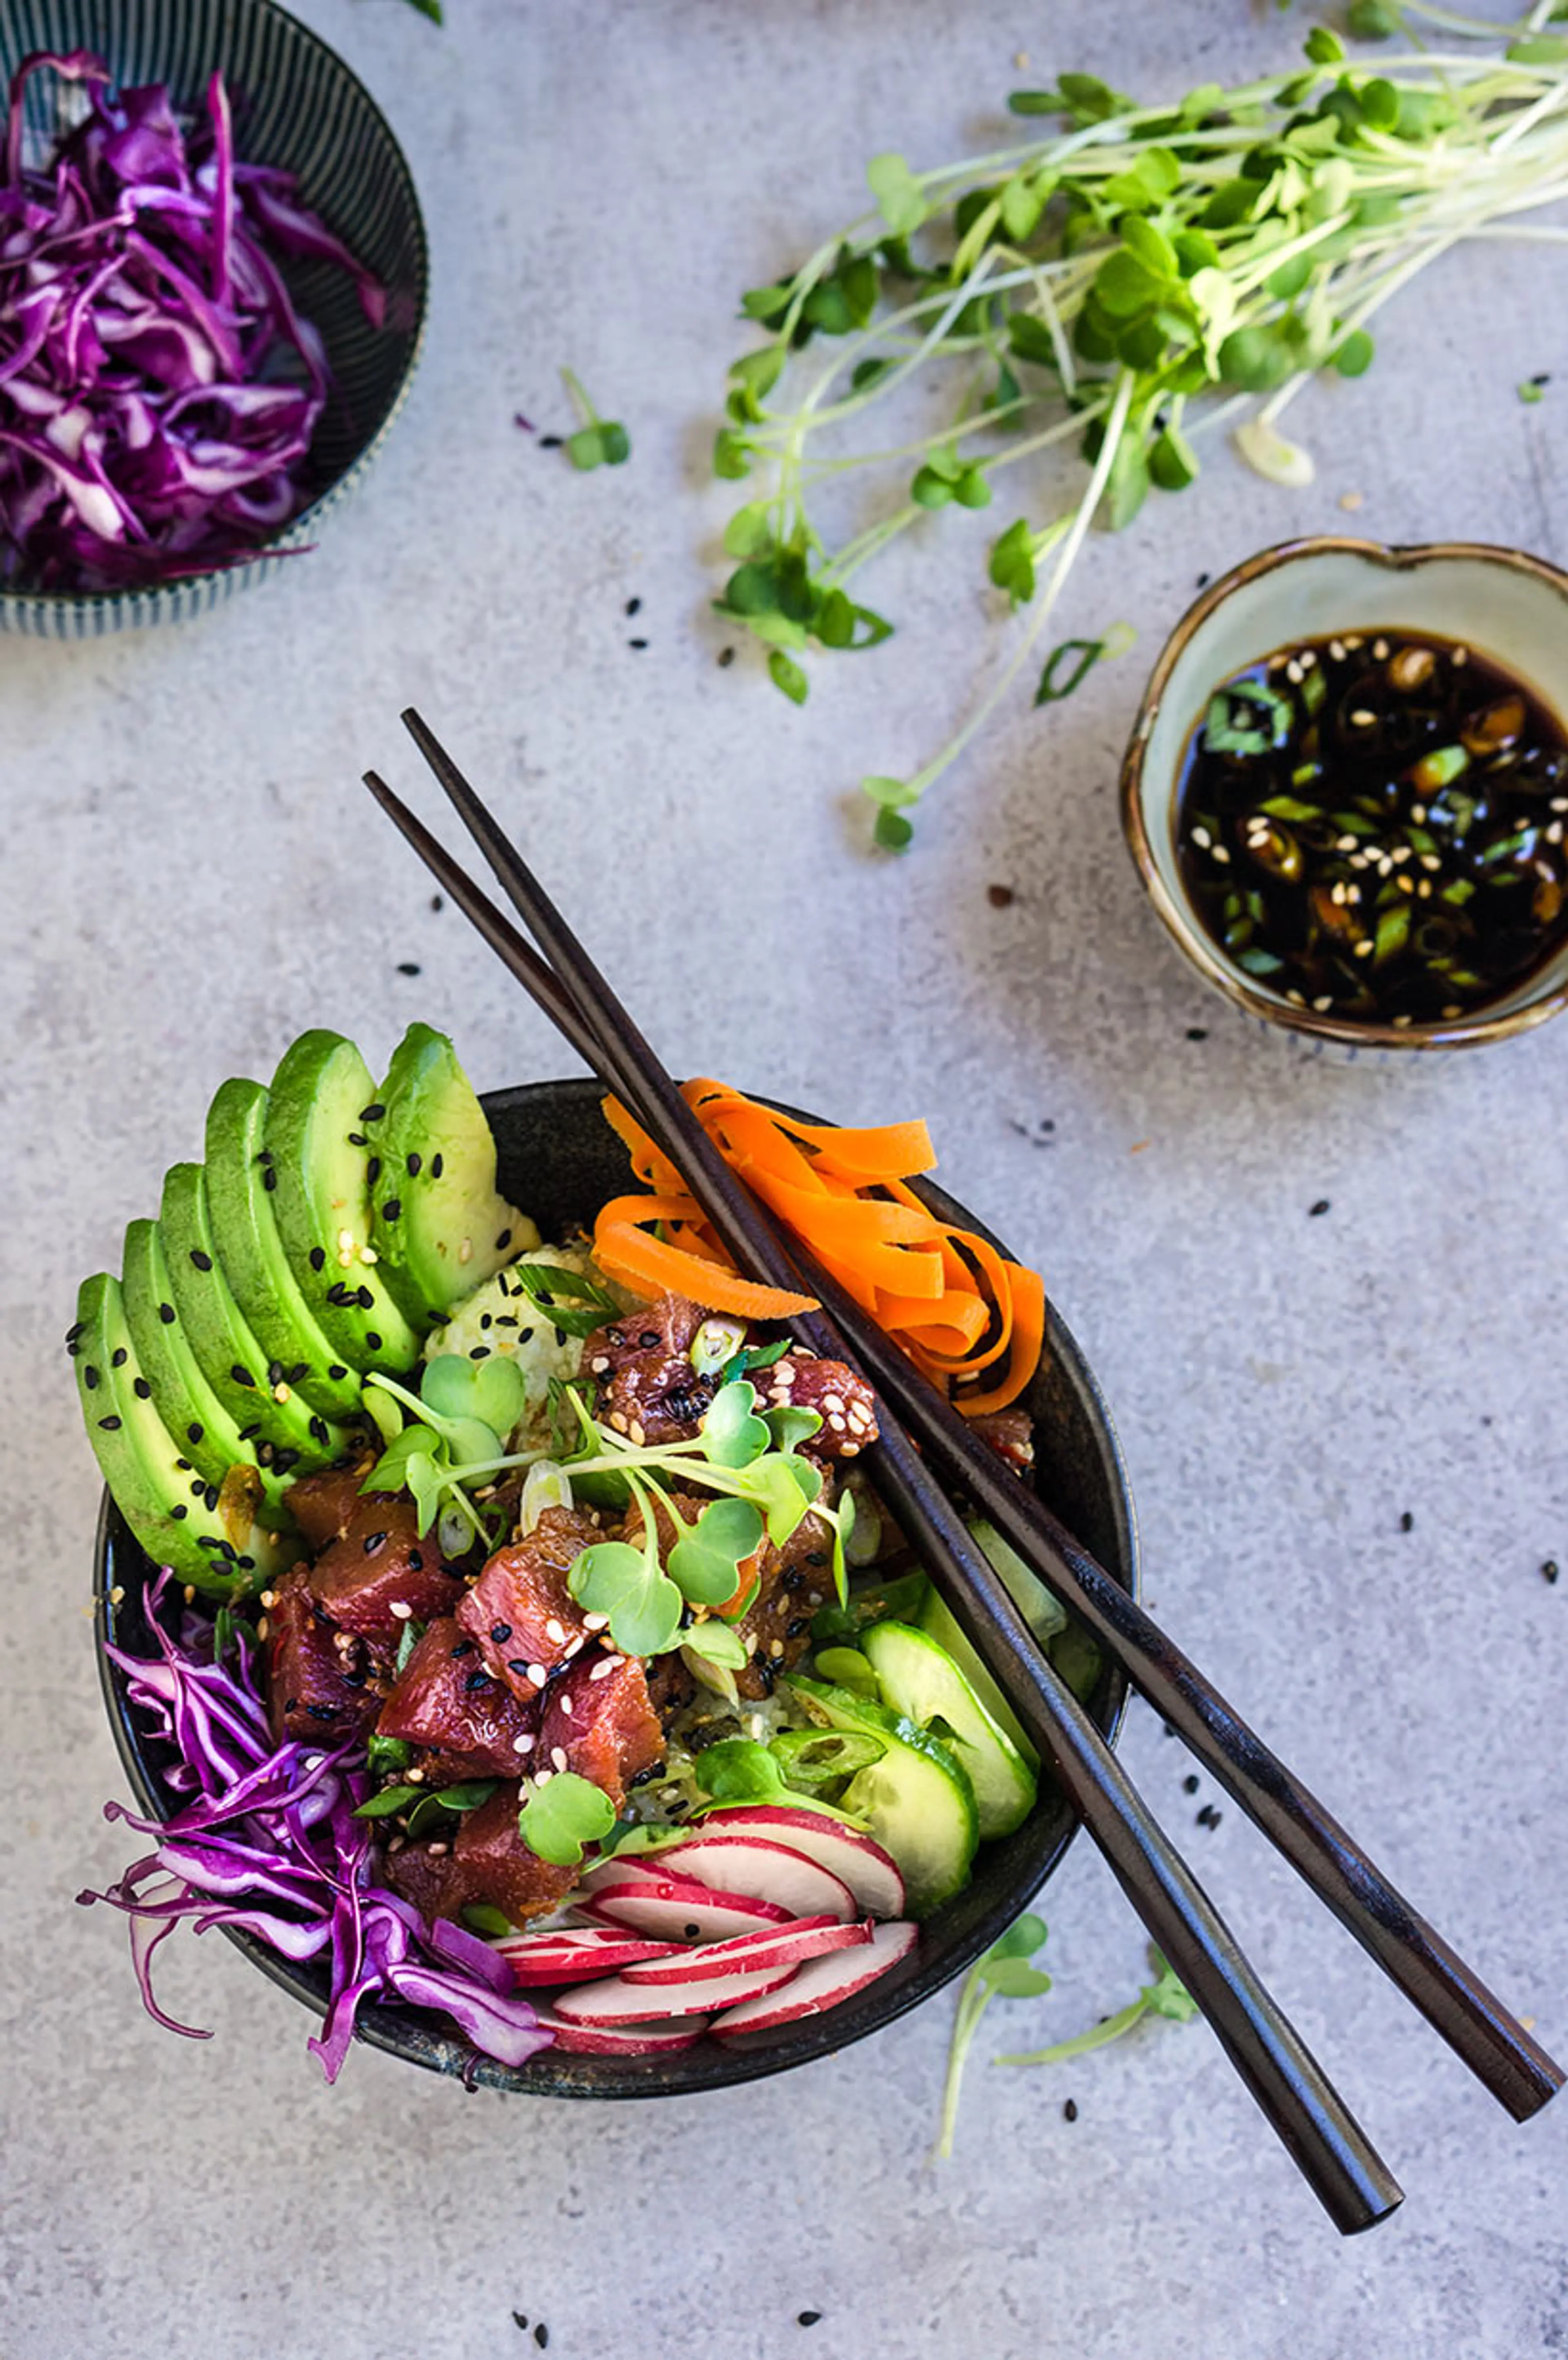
(922, 1440)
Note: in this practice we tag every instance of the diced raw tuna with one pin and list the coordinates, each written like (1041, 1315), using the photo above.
(380, 1574)
(520, 1614)
(647, 1387)
(793, 1582)
(839, 1395)
(446, 1699)
(600, 1722)
(1010, 1433)
(487, 1862)
(321, 1504)
(322, 1682)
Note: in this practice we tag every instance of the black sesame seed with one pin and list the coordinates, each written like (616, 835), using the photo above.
(542, 2336)
(1190, 1784)
(1549, 1570)
(463, 1647)
(319, 1430)
(416, 1561)
(691, 1932)
(1197, 1031)
(89, 1379)
(438, 1165)
(1321, 1207)
(249, 1433)
(500, 1633)
(241, 1374)
(519, 1664)
(413, 1164)
(561, 1339)
(806, 2318)
(476, 1681)
(210, 1498)
(181, 1512)
(392, 1208)
(373, 1541)
(524, 1335)
(485, 1320)
(371, 1113)
(504, 1241)
(726, 658)
(550, 442)
(373, 1170)
(637, 643)
(74, 1330)
(194, 1433)
(167, 1313)
(300, 1370)
(199, 1489)
(1070, 2111)
(110, 1425)
(633, 606)
(202, 1261)
(1406, 1521)
(479, 1352)
(408, 967)
(337, 1372)
(358, 1139)
(141, 1388)
(364, 1297)
(318, 1257)
(269, 1177)
(275, 1373)
(1202, 580)
(437, 901)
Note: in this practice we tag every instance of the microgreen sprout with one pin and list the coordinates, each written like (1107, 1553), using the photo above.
(561, 1814)
(1167, 1995)
(598, 442)
(1127, 284)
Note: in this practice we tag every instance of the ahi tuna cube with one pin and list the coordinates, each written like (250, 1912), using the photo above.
(321, 1504)
(379, 1573)
(521, 1613)
(649, 1389)
(600, 1722)
(320, 1679)
(444, 1698)
(488, 1862)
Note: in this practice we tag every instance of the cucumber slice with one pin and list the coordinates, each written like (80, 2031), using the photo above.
(188, 1407)
(917, 1801)
(437, 1224)
(1043, 1612)
(920, 1679)
(239, 1198)
(321, 1098)
(209, 1536)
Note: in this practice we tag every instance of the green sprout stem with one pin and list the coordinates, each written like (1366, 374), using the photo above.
(1099, 2035)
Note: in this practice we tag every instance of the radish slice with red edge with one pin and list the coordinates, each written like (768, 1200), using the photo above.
(585, 1950)
(660, 2040)
(790, 1944)
(820, 1983)
(871, 1874)
(676, 1909)
(762, 1872)
(616, 2001)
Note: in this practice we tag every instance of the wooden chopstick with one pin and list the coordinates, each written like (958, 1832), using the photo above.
(1329, 2146)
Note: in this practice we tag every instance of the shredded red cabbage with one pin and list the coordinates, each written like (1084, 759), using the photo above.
(158, 391)
(269, 1844)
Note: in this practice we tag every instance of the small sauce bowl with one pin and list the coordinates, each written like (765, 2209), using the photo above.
(1502, 603)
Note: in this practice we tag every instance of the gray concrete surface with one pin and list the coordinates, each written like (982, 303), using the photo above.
(191, 875)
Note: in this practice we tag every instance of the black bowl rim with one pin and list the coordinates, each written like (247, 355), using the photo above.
(412, 2033)
(285, 541)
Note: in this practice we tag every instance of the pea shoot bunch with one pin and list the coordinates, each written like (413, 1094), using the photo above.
(1123, 286)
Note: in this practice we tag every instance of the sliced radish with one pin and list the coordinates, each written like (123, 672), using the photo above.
(820, 1983)
(621, 1870)
(660, 2040)
(616, 2001)
(763, 1872)
(676, 1909)
(871, 1874)
(786, 1945)
(570, 1955)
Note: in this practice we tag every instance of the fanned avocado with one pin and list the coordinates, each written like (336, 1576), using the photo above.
(188, 1407)
(320, 1100)
(240, 1190)
(209, 1537)
(252, 1389)
(439, 1227)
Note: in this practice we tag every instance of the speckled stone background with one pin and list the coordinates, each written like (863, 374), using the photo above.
(191, 875)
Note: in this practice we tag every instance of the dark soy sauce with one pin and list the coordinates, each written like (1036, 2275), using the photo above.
(1372, 825)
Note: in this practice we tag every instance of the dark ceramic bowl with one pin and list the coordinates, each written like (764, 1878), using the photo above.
(295, 105)
(559, 1158)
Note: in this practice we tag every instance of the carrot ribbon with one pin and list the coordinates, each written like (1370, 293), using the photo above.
(956, 1307)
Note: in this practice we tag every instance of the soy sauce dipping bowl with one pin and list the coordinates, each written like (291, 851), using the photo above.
(1503, 603)
(560, 1160)
(297, 106)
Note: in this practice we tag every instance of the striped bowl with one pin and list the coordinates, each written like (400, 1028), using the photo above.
(295, 105)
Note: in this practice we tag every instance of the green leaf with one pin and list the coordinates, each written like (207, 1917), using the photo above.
(783, 1489)
(1015, 1978)
(390, 1473)
(1030, 338)
(1089, 97)
(408, 1639)
(1035, 102)
(1168, 1996)
(789, 1426)
(1124, 285)
(643, 1607)
(1150, 246)
(1255, 359)
(1372, 20)
(384, 1754)
(494, 1392)
(785, 674)
(562, 1814)
(929, 490)
(738, 1770)
(893, 795)
(1173, 462)
(1012, 563)
(749, 532)
(898, 193)
(1379, 105)
(767, 304)
(1530, 390)
(867, 373)
(1353, 357)
(1022, 206)
(385, 1415)
(1543, 50)
(732, 1437)
(1128, 483)
(705, 1562)
(1324, 47)
(388, 1803)
(893, 831)
(753, 377)
(716, 1643)
(973, 490)
(732, 454)
(1291, 278)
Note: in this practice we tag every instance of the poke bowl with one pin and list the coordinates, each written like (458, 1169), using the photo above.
(226, 420)
(557, 1156)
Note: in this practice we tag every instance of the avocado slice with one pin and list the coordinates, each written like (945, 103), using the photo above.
(437, 1224)
(188, 1407)
(320, 1100)
(239, 1198)
(254, 1390)
(211, 1537)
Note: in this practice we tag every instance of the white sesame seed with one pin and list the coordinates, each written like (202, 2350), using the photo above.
(1325, 1004)
(1461, 656)
(542, 1777)
(1401, 1022)
(439, 1850)
(1558, 803)
(1345, 844)
(567, 1710)
(345, 1241)
(262, 1626)
(850, 1450)
(1423, 890)
(1201, 838)
(1555, 831)
(1379, 649)
(1364, 950)
(1455, 1011)
(1222, 856)
(1353, 640)
(1401, 852)
(1336, 894)
(465, 1251)
(1296, 999)
(558, 1757)
(1293, 670)
(1337, 649)
(523, 1744)
(538, 1674)
(1431, 860)
(401, 1609)
(555, 1633)
(601, 1671)
(280, 1393)
(1353, 893)
(636, 1434)
(414, 1777)
(617, 1418)
(595, 1621)
(833, 1402)
(1307, 658)
(1405, 884)
(269, 1598)
(1417, 813)
(368, 1255)
(1361, 719)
